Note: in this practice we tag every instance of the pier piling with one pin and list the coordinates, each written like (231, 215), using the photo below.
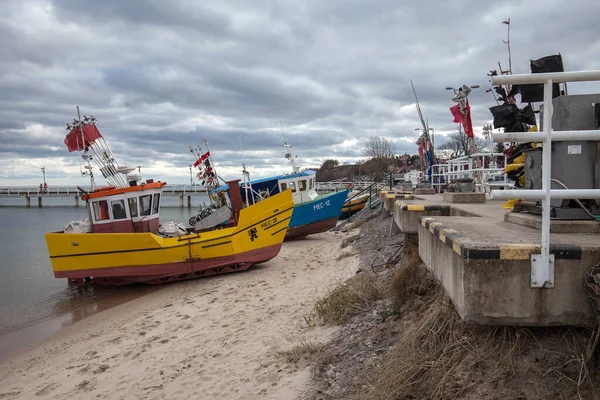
(27, 201)
(76, 201)
(189, 201)
(40, 201)
(181, 200)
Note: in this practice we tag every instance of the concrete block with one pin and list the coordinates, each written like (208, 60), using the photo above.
(485, 268)
(391, 198)
(556, 226)
(406, 215)
(473, 197)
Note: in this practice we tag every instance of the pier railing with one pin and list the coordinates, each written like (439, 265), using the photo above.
(542, 265)
(72, 191)
(473, 167)
(338, 185)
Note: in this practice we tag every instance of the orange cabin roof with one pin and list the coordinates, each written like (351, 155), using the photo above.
(111, 190)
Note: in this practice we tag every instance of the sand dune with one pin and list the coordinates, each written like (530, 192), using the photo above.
(214, 338)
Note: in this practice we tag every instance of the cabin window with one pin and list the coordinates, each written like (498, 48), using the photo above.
(302, 185)
(155, 203)
(133, 209)
(145, 204)
(101, 210)
(310, 184)
(283, 186)
(293, 186)
(118, 209)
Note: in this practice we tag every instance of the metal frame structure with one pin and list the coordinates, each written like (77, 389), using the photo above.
(542, 265)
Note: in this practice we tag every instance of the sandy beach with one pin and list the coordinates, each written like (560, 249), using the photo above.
(213, 338)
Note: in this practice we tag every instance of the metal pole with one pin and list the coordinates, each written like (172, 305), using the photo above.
(211, 162)
(542, 275)
(191, 179)
(81, 128)
(556, 77)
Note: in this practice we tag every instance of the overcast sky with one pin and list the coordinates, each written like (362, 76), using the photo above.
(161, 75)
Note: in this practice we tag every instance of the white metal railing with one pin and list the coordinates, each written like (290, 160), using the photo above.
(71, 191)
(467, 167)
(337, 185)
(542, 265)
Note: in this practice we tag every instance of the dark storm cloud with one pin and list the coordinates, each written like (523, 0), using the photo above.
(160, 76)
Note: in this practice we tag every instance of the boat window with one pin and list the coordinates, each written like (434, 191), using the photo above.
(293, 186)
(310, 184)
(302, 185)
(118, 209)
(133, 210)
(283, 186)
(145, 203)
(155, 203)
(101, 210)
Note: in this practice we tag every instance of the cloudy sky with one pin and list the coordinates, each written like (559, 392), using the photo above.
(161, 75)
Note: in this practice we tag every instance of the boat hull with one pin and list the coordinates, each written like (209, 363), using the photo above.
(353, 206)
(176, 271)
(310, 229)
(121, 258)
(316, 216)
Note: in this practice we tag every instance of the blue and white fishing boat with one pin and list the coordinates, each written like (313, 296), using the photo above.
(313, 213)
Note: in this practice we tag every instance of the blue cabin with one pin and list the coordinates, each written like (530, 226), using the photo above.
(313, 213)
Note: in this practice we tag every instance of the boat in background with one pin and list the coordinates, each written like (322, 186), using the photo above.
(313, 213)
(355, 202)
(122, 242)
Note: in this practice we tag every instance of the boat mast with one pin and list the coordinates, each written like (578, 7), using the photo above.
(291, 157)
(211, 163)
(246, 175)
(288, 154)
(97, 149)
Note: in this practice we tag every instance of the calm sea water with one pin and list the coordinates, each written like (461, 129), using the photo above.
(29, 293)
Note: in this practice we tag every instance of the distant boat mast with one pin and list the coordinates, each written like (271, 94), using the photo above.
(288, 153)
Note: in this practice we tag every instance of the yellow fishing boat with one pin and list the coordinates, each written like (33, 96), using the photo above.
(121, 258)
(123, 242)
(354, 203)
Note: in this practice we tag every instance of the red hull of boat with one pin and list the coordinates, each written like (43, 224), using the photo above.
(177, 271)
(310, 229)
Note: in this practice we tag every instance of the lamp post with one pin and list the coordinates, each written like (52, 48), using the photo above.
(44, 174)
(191, 179)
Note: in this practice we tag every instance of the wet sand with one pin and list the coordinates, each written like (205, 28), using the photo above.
(208, 338)
(27, 336)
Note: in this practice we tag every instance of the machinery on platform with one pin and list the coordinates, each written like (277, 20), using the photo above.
(575, 164)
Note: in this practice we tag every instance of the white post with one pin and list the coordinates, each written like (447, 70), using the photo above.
(542, 272)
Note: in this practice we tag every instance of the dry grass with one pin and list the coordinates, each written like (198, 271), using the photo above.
(411, 280)
(348, 299)
(438, 356)
(305, 350)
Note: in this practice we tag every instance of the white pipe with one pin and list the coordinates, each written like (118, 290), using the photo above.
(556, 77)
(538, 194)
(544, 271)
(557, 136)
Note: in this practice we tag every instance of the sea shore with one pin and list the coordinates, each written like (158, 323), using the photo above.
(218, 337)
